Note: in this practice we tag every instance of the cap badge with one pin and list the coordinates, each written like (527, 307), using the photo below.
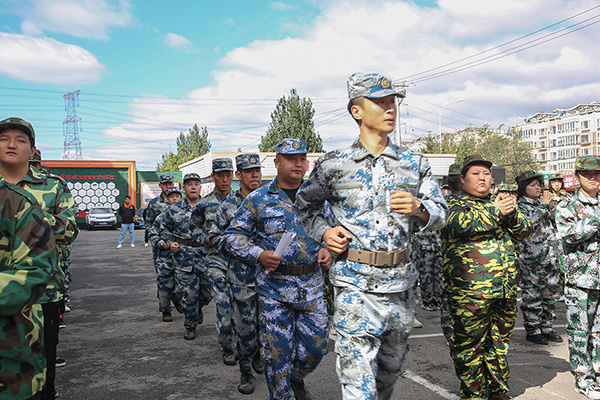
(252, 160)
(296, 145)
(385, 83)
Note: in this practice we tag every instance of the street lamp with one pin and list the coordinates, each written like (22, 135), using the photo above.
(443, 108)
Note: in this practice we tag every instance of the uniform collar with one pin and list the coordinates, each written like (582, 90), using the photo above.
(359, 152)
(467, 196)
(584, 199)
(33, 176)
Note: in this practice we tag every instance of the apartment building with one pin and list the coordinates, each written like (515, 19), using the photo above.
(558, 137)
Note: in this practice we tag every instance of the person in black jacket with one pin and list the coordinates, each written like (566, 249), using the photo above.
(126, 212)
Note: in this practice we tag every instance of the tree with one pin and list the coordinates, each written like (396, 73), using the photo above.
(292, 118)
(189, 146)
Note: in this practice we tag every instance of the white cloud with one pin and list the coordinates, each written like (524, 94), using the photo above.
(89, 19)
(179, 42)
(45, 60)
(281, 6)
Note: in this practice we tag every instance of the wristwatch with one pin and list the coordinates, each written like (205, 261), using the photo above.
(422, 209)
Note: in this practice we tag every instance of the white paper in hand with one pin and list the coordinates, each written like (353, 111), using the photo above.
(284, 242)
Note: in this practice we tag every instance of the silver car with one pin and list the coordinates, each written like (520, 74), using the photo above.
(100, 217)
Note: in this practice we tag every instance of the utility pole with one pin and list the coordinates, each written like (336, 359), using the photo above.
(72, 146)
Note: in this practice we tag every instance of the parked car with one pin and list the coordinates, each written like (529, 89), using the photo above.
(138, 218)
(100, 217)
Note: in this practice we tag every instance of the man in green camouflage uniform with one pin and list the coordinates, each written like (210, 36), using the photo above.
(480, 273)
(537, 260)
(54, 197)
(578, 224)
(27, 260)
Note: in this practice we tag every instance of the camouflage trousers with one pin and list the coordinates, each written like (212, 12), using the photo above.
(167, 288)
(195, 289)
(479, 345)
(372, 346)
(429, 263)
(583, 332)
(222, 296)
(244, 317)
(293, 339)
(540, 291)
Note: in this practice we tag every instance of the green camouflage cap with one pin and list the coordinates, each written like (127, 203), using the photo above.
(454, 169)
(36, 157)
(21, 124)
(190, 176)
(174, 189)
(247, 161)
(474, 159)
(164, 178)
(556, 175)
(507, 187)
(587, 163)
(373, 86)
(525, 175)
(291, 146)
(222, 164)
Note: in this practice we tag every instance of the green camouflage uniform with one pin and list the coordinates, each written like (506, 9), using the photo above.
(480, 274)
(27, 261)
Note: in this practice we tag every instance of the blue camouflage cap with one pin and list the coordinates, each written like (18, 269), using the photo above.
(174, 189)
(373, 86)
(291, 146)
(190, 176)
(164, 178)
(247, 161)
(222, 164)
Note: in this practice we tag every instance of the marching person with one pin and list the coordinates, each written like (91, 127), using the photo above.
(379, 194)
(578, 223)
(481, 275)
(293, 320)
(126, 212)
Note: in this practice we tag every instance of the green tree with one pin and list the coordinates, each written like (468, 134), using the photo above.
(292, 118)
(189, 146)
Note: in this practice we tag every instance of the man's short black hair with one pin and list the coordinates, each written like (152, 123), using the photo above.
(128, 197)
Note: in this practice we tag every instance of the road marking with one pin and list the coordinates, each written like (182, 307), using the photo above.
(430, 385)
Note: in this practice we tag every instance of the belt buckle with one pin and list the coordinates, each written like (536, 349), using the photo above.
(384, 259)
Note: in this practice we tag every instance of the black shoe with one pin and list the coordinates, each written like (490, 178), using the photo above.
(190, 334)
(178, 306)
(300, 390)
(553, 337)
(537, 338)
(229, 357)
(167, 317)
(257, 364)
(246, 385)
(200, 315)
(61, 322)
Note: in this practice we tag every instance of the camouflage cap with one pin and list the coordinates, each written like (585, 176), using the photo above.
(21, 124)
(190, 176)
(556, 175)
(291, 146)
(174, 189)
(507, 187)
(525, 175)
(164, 178)
(36, 157)
(373, 86)
(454, 169)
(587, 163)
(247, 161)
(222, 164)
(474, 159)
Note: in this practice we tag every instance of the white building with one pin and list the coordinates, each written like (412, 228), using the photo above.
(557, 138)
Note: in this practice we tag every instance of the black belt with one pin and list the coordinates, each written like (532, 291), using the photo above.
(187, 242)
(297, 269)
(377, 258)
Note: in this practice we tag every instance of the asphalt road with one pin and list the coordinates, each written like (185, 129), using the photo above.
(117, 346)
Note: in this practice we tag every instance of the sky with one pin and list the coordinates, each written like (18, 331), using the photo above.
(147, 70)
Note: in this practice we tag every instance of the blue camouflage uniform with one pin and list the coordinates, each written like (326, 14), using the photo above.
(293, 320)
(215, 263)
(374, 305)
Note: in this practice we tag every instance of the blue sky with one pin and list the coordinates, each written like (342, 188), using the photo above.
(147, 70)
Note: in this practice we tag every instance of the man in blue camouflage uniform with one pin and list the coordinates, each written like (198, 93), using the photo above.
(168, 290)
(178, 233)
(578, 223)
(293, 320)
(213, 262)
(426, 254)
(240, 275)
(378, 191)
(156, 206)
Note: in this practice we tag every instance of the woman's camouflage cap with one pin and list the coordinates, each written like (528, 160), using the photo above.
(556, 175)
(373, 86)
(474, 159)
(525, 175)
(587, 163)
(507, 187)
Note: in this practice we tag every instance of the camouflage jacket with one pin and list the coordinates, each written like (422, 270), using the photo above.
(176, 224)
(478, 245)
(541, 247)
(55, 198)
(28, 258)
(358, 187)
(578, 224)
(155, 207)
(203, 217)
(258, 225)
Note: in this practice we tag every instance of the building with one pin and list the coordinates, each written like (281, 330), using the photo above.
(558, 137)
